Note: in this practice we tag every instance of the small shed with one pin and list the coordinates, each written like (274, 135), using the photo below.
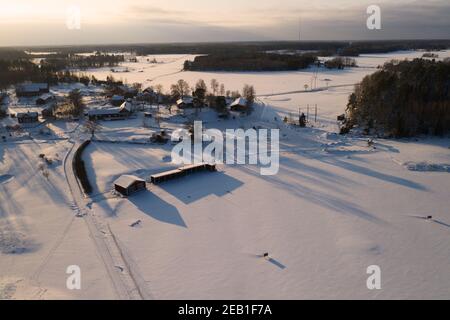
(127, 185)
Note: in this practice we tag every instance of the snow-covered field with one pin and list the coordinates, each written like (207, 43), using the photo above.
(39, 234)
(336, 207)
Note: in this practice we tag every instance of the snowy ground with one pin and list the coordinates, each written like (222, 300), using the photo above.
(333, 210)
(336, 207)
(39, 234)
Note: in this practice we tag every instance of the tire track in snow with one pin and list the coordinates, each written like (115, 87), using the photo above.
(124, 283)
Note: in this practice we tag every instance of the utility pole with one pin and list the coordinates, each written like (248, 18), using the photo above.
(307, 113)
(299, 114)
(315, 117)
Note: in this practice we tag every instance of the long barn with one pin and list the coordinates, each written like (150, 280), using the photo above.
(181, 172)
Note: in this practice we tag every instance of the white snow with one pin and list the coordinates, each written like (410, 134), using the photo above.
(336, 207)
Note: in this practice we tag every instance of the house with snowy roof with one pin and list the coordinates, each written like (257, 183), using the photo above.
(239, 105)
(32, 89)
(127, 185)
(116, 113)
(185, 102)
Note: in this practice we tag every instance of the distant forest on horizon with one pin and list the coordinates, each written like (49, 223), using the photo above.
(347, 48)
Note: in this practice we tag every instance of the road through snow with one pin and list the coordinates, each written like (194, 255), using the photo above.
(121, 272)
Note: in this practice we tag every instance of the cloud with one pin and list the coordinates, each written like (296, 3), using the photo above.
(138, 21)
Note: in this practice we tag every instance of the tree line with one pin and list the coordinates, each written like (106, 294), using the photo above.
(253, 61)
(333, 47)
(51, 70)
(75, 61)
(403, 99)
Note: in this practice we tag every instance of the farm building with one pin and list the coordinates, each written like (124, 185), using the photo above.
(127, 185)
(45, 98)
(128, 106)
(119, 113)
(117, 100)
(32, 89)
(48, 111)
(27, 117)
(239, 105)
(166, 176)
(186, 102)
(128, 92)
(148, 95)
(181, 172)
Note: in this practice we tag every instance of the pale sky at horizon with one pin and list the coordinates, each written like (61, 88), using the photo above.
(43, 22)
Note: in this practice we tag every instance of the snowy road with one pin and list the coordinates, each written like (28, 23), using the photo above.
(119, 269)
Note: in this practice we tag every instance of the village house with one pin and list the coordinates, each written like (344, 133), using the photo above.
(126, 185)
(128, 92)
(27, 117)
(147, 95)
(118, 113)
(48, 111)
(185, 102)
(45, 99)
(32, 89)
(117, 100)
(148, 90)
(239, 105)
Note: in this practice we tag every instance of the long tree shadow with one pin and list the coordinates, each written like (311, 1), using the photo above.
(271, 260)
(277, 263)
(319, 198)
(375, 174)
(155, 207)
(197, 186)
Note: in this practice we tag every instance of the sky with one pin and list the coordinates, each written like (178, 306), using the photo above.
(54, 22)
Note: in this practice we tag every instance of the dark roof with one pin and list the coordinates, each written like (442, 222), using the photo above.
(27, 115)
(32, 87)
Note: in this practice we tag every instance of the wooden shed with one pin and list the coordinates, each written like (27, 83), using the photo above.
(127, 185)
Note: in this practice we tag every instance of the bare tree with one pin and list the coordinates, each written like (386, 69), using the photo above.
(137, 86)
(158, 89)
(249, 94)
(180, 89)
(201, 85)
(76, 99)
(214, 86)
